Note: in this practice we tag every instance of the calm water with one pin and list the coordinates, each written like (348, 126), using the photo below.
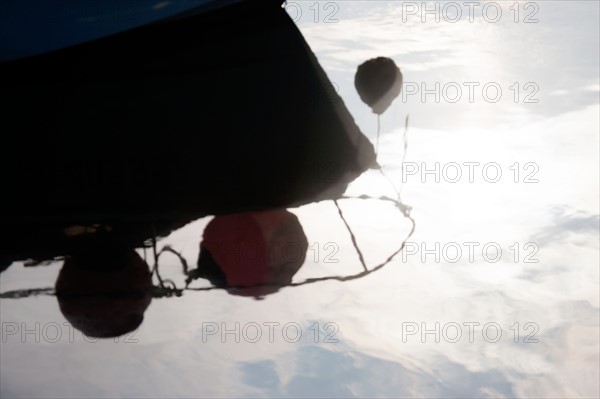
(519, 317)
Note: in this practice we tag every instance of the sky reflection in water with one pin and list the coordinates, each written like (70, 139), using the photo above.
(559, 214)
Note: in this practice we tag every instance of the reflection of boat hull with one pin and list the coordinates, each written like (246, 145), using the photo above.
(213, 113)
(205, 113)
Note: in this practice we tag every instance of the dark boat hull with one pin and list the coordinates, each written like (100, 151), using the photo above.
(220, 112)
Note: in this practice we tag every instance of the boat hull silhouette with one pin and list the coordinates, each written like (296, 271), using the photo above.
(208, 112)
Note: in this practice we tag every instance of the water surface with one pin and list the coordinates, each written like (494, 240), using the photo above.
(549, 211)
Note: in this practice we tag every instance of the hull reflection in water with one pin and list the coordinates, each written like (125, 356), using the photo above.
(229, 97)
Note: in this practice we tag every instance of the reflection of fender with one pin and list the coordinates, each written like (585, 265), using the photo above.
(378, 82)
(252, 249)
(104, 301)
